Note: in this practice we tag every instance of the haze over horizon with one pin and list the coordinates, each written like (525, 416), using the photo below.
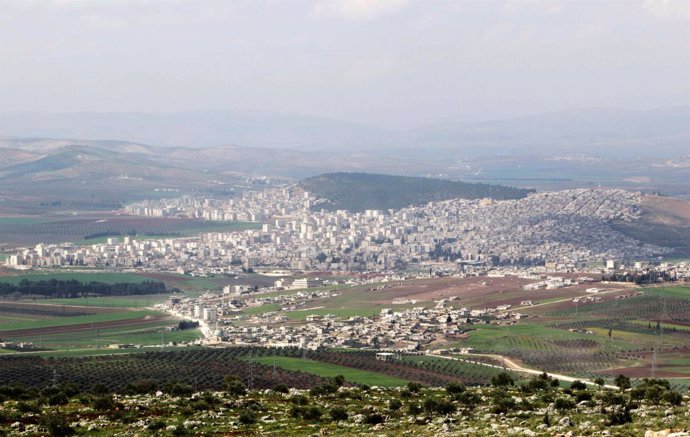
(391, 64)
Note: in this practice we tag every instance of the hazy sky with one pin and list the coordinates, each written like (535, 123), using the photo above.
(392, 63)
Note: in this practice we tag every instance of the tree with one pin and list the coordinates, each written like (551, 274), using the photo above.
(622, 382)
(578, 385)
(58, 399)
(654, 394)
(502, 380)
(234, 386)
(339, 380)
(57, 425)
(599, 381)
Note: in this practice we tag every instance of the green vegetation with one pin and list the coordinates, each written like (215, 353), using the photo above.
(66, 321)
(536, 407)
(105, 277)
(61, 289)
(678, 291)
(331, 370)
(361, 191)
(142, 301)
(338, 312)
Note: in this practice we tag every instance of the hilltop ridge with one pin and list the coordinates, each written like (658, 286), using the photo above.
(361, 191)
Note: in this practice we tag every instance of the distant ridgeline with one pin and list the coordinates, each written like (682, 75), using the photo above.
(361, 191)
(54, 288)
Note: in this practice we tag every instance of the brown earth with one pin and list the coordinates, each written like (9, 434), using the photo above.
(83, 327)
(664, 221)
(57, 307)
(474, 291)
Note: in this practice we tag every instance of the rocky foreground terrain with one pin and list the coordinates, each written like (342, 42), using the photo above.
(539, 407)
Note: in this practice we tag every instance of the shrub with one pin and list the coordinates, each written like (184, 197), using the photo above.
(445, 407)
(413, 409)
(156, 425)
(299, 400)
(100, 389)
(374, 418)
(619, 415)
(180, 431)
(502, 380)
(622, 382)
(338, 414)
(654, 394)
(394, 404)
(455, 388)
(281, 388)
(583, 396)
(247, 417)
(103, 403)
(502, 404)
(142, 386)
(323, 389)
(29, 407)
(564, 404)
(58, 399)
(234, 386)
(56, 425)
(312, 413)
(673, 397)
(468, 399)
(578, 385)
(430, 405)
(414, 387)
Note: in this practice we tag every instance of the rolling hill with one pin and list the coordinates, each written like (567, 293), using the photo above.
(362, 191)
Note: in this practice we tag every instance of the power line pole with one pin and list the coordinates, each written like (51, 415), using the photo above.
(251, 371)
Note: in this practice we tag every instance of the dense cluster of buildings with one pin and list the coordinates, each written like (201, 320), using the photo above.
(569, 228)
(408, 329)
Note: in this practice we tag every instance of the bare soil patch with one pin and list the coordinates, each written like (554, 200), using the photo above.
(82, 327)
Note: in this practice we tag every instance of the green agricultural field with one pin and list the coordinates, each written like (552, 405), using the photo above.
(144, 334)
(105, 277)
(332, 370)
(266, 308)
(676, 291)
(530, 336)
(64, 321)
(142, 301)
(23, 220)
(340, 312)
(467, 371)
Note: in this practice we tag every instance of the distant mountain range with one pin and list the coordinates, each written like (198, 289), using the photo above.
(636, 150)
(618, 133)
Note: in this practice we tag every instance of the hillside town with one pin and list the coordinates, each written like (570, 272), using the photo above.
(568, 228)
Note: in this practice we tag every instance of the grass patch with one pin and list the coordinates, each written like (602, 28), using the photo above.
(111, 301)
(680, 292)
(105, 277)
(261, 309)
(23, 220)
(65, 321)
(331, 370)
(340, 312)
